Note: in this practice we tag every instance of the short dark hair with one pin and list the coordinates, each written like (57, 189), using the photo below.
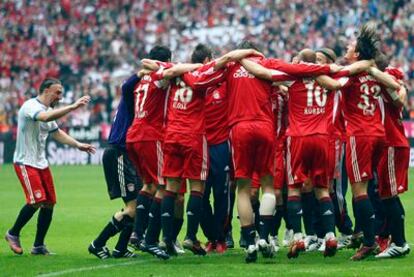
(160, 53)
(368, 42)
(247, 44)
(200, 53)
(47, 83)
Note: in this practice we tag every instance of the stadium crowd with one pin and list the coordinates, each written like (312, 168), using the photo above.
(93, 45)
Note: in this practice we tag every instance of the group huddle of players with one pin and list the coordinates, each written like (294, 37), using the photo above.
(263, 123)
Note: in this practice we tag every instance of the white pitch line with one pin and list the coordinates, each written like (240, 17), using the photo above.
(98, 267)
(89, 268)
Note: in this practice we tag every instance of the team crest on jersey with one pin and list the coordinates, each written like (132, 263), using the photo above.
(131, 187)
(38, 194)
(216, 95)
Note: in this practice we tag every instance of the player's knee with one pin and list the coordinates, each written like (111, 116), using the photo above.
(268, 204)
(321, 193)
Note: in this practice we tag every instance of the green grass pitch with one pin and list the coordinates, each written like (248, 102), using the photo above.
(84, 208)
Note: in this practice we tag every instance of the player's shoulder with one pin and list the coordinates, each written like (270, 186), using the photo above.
(32, 103)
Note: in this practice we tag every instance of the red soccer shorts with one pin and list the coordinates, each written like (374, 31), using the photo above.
(280, 164)
(307, 157)
(37, 184)
(252, 148)
(147, 157)
(362, 155)
(393, 171)
(336, 146)
(185, 156)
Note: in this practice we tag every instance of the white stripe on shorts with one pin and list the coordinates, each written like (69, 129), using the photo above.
(121, 177)
(289, 162)
(27, 183)
(204, 167)
(160, 164)
(355, 167)
(391, 170)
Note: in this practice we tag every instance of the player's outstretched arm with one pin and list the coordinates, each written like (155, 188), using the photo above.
(54, 114)
(358, 67)
(257, 70)
(180, 69)
(235, 55)
(328, 83)
(64, 138)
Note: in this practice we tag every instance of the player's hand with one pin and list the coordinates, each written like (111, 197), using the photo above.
(83, 101)
(143, 72)
(87, 148)
(239, 54)
(150, 64)
(335, 68)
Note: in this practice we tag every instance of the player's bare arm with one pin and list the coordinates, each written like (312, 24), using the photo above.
(235, 55)
(62, 137)
(180, 69)
(358, 67)
(328, 82)
(257, 70)
(54, 114)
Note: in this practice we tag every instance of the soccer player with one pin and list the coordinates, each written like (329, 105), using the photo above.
(339, 181)
(144, 142)
(185, 145)
(394, 162)
(218, 180)
(36, 120)
(365, 133)
(121, 179)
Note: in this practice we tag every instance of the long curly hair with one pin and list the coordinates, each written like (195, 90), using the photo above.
(368, 42)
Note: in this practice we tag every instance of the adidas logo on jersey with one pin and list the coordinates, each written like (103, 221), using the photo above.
(242, 73)
(400, 188)
(166, 215)
(140, 207)
(364, 174)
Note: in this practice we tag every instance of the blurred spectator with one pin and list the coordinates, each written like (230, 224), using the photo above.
(92, 45)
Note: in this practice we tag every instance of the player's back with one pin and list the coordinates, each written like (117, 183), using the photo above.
(363, 106)
(216, 114)
(309, 108)
(186, 104)
(249, 97)
(150, 98)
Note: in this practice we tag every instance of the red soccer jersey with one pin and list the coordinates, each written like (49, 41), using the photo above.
(150, 96)
(310, 107)
(394, 128)
(217, 130)
(363, 106)
(279, 107)
(337, 123)
(186, 108)
(249, 97)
